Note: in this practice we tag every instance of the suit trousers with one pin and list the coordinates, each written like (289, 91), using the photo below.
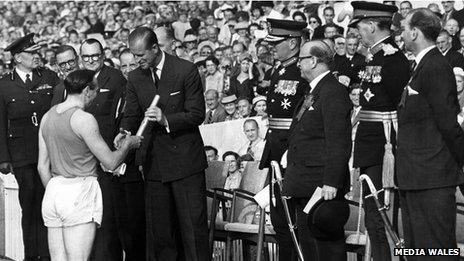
(279, 222)
(31, 191)
(177, 227)
(314, 249)
(429, 220)
(107, 246)
(372, 219)
(129, 210)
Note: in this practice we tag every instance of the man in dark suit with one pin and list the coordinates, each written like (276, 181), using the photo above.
(175, 170)
(285, 90)
(329, 15)
(382, 82)
(68, 61)
(25, 96)
(444, 44)
(430, 141)
(319, 150)
(111, 82)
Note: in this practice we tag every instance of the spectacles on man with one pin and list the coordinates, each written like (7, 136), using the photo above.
(93, 57)
(70, 63)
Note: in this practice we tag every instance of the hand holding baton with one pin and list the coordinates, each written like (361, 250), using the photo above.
(145, 121)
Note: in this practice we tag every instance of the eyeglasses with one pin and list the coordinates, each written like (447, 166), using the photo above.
(94, 57)
(313, 22)
(304, 57)
(70, 63)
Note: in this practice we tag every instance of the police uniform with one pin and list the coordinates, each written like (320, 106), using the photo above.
(22, 105)
(285, 90)
(382, 83)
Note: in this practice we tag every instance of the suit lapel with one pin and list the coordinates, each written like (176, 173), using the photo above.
(167, 75)
(103, 76)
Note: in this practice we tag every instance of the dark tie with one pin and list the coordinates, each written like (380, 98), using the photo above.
(209, 117)
(249, 151)
(155, 77)
(28, 79)
(413, 66)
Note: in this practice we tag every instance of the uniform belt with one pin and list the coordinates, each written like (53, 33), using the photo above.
(377, 116)
(280, 123)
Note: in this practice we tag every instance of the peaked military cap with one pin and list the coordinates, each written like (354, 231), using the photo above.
(279, 30)
(363, 10)
(25, 43)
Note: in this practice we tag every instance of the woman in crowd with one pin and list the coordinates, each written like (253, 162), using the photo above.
(234, 177)
(242, 84)
(214, 78)
(259, 106)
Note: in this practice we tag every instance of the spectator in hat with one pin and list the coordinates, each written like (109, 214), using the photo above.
(214, 78)
(190, 42)
(216, 112)
(260, 106)
(252, 150)
(228, 102)
(299, 16)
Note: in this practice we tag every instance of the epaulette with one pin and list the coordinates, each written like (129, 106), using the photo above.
(290, 61)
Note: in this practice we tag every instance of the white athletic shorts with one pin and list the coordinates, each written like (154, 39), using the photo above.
(72, 201)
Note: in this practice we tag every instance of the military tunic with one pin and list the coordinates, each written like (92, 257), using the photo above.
(382, 83)
(286, 89)
(22, 106)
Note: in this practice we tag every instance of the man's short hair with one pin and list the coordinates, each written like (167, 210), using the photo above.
(406, 2)
(123, 52)
(91, 41)
(208, 148)
(351, 36)
(228, 153)
(65, 48)
(216, 93)
(299, 13)
(251, 121)
(329, 8)
(145, 34)
(383, 24)
(212, 59)
(427, 22)
(73, 32)
(444, 33)
(76, 81)
(322, 51)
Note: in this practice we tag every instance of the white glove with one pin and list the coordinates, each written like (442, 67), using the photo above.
(283, 160)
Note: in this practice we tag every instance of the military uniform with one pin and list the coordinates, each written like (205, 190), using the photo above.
(286, 89)
(22, 106)
(382, 83)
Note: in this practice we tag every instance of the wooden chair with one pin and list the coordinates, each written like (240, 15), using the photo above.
(216, 175)
(239, 222)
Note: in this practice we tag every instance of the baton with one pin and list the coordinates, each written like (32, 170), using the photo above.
(144, 123)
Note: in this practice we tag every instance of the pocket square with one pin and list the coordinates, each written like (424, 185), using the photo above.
(411, 91)
(104, 90)
(174, 93)
(311, 108)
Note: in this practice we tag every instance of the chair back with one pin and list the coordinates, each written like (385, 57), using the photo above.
(253, 180)
(215, 176)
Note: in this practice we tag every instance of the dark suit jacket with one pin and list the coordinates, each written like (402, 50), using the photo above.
(219, 115)
(179, 153)
(455, 59)
(19, 103)
(320, 142)
(112, 85)
(430, 152)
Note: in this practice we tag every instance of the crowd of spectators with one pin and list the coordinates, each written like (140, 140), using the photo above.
(223, 38)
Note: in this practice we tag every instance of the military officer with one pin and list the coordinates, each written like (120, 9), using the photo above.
(25, 96)
(285, 90)
(382, 83)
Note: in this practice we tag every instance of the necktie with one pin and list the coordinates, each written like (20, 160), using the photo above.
(249, 151)
(209, 117)
(28, 79)
(155, 77)
(413, 66)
